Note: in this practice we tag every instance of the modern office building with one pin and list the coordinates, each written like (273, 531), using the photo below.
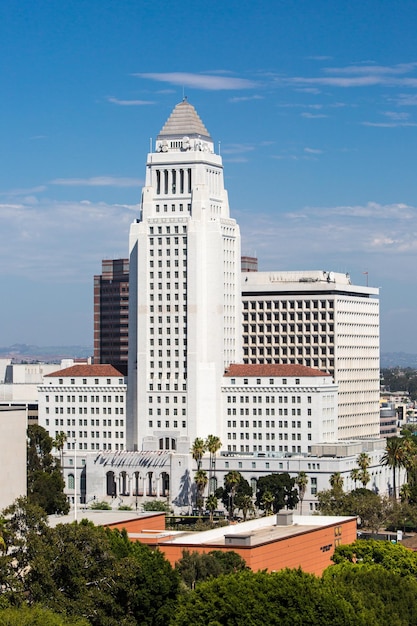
(185, 300)
(111, 314)
(319, 319)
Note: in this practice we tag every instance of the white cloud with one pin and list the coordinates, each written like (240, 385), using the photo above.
(98, 181)
(129, 103)
(313, 151)
(246, 98)
(201, 81)
(57, 240)
(313, 116)
(237, 148)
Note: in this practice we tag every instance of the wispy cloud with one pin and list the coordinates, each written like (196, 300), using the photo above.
(98, 181)
(54, 240)
(237, 148)
(129, 103)
(246, 98)
(208, 82)
(313, 151)
(357, 76)
(313, 116)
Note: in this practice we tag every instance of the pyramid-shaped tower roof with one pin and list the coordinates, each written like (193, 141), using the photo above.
(184, 121)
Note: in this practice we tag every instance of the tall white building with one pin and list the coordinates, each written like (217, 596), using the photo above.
(319, 319)
(184, 291)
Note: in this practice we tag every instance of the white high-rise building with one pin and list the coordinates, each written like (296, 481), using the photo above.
(184, 291)
(319, 319)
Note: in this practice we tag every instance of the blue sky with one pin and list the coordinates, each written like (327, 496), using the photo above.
(314, 105)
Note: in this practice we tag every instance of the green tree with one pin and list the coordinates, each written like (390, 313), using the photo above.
(244, 503)
(200, 479)
(355, 475)
(98, 574)
(211, 505)
(194, 567)
(45, 485)
(231, 481)
(282, 487)
(59, 443)
(393, 458)
(212, 445)
(37, 616)
(380, 597)
(393, 557)
(336, 483)
(197, 451)
(233, 494)
(301, 480)
(284, 598)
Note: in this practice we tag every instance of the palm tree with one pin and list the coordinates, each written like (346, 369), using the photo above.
(197, 451)
(267, 501)
(393, 457)
(211, 505)
(59, 443)
(246, 505)
(355, 475)
(231, 481)
(212, 445)
(405, 492)
(336, 483)
(364, 477)
(200, 479)
(301, 481)
(364, 461)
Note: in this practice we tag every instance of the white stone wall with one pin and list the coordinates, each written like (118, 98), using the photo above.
(13, 424)
(265, 415)
(92, 414)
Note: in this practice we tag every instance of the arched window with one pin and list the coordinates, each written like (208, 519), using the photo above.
(71, 481)
(111, 484)
(253, 484)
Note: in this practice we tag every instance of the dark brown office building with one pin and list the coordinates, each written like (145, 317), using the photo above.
(111, 314)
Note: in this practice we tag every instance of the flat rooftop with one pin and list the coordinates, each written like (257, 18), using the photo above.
(260, 530)
(103, 518)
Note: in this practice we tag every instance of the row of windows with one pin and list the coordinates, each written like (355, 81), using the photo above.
(268, 436)
(83, 411)
(268, 448)
(267, 399)
(167, 230)
(96, 446)
(306, 316)
(267, 412)
(268, 424)
(108, 422)
(288, 304)
(97, 381)
(158, 424)
(167, 412)
(85, 398)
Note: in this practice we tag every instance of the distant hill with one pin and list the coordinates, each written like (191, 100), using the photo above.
(398, 359)
(21, 352)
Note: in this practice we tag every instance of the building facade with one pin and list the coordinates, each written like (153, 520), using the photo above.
(277, 408)
(185, 301)
(88, 404)
(321, 320)
(111, 314)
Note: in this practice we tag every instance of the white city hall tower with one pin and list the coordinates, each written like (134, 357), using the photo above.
(184, 290)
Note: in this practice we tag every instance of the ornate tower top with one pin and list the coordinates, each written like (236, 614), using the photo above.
(184, 131)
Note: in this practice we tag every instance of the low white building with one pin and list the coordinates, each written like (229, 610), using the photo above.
(88, 404)
(277, 408)
(12, 453)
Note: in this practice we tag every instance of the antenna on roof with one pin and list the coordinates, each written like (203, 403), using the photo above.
(220, 143)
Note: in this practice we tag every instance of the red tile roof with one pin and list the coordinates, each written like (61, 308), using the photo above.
(87, 370)
(274, 369)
